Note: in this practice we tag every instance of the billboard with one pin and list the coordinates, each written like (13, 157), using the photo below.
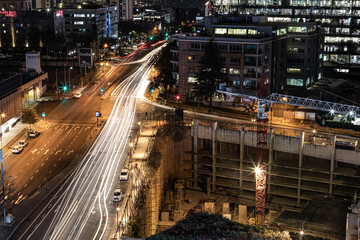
(85, 57)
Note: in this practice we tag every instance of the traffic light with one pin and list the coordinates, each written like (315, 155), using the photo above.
(65, 88)
(166, 38)
(43, 115)
(102, 91)
(152, 90)
(166, 34)
(151, 38)
(177, 97)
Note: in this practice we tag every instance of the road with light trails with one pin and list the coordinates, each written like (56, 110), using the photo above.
(81, 210)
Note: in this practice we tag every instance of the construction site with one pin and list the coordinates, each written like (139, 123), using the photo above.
(310, 180)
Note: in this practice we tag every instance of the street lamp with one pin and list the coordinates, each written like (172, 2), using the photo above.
(2, 169)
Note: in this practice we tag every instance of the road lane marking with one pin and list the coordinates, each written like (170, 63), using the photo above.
(59, 159)
(37, 171)
(46, 159)
(58, 151)
(67, 127)
(31, 178)
(25, 185)
(55, 165)
(70, 152)
(50, 171)
(42, 164)
(21, 170)
(46, 151)
(28, 164)
(33, 151)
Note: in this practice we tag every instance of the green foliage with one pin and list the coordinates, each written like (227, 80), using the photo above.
(165, 82)
(210, 226)
(30, 117)
(210, 75)
(133, 229)
(173, 128)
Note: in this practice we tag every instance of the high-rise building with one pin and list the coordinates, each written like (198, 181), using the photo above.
(126, 13)
(340, 21)
(6, 5)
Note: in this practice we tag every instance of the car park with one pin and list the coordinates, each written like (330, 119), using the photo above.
(33, 133)
(118, 195)
(124, 175)
(23, 143)
(17, 149)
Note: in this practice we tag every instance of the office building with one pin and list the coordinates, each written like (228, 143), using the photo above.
(340, 21)
(283, 56)
(88, 22)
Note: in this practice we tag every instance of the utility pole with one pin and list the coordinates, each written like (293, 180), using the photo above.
(56, 87)
(64, 75)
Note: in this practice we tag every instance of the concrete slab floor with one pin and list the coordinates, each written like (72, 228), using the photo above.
(324, 215)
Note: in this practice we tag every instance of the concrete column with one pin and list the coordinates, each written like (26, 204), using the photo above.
(242, 214)
(242, 152)
(213, 149)
(301, 156)
(332, 164)
(271, 154)
(195, 146)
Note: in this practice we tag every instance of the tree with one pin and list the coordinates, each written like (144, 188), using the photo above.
(29, 116)
(165, 82)
(209, 75)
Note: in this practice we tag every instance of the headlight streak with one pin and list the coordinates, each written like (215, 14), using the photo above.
(91, 185)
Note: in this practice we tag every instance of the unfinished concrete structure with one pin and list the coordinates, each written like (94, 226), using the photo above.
(300, 167)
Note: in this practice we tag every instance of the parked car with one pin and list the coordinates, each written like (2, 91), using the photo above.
(124, 175)
(118, 195)
(33, 133)
(17, 149)
(23, 143)
(77, 95)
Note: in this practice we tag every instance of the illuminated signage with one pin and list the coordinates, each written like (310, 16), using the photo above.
(59, 13)
(8, 13)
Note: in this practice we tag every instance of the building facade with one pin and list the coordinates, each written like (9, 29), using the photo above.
(340, 21)
(282, 56)
(87, 22)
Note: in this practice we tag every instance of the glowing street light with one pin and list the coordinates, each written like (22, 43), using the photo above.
(332, 111)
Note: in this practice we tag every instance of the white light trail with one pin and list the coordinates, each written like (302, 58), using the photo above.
(91, 185)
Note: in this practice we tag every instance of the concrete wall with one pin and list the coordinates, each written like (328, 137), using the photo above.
(281, 143)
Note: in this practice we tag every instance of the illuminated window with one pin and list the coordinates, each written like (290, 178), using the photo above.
(79, 22)
(294, 70)
(234, 71)
(281, 31)
(252, 32)
(297, 29)
(79, 15)
(192, 79)
(233, 31)
(220, 30)
(294, 82)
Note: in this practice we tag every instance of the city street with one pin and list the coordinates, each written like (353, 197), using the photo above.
(84, 203)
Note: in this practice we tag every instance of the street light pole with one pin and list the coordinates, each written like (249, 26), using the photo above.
(2, 169)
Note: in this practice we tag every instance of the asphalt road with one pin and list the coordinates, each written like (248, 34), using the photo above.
(71, 122)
